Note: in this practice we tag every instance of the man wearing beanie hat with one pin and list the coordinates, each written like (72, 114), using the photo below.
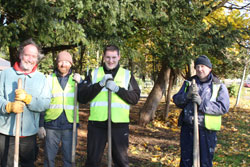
(64, 56)
(56, 124)
(203, 60)
(212, 99)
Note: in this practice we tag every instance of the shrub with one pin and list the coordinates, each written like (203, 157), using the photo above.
(233, 90)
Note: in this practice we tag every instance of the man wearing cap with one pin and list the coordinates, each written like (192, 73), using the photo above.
(56, 124)
(212, 99)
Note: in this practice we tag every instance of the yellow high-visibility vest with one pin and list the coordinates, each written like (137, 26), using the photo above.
(61, 100)
(99, 105)
(212, 122)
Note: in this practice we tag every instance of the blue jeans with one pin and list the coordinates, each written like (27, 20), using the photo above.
(52, 140)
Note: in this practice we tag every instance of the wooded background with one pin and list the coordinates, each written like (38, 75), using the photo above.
(158, 38)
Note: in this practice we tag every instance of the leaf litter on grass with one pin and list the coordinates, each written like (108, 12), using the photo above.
(157, 144)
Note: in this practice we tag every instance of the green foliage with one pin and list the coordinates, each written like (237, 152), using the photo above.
(233, 89)
(172, 30)
(150, 34)
(46, 64)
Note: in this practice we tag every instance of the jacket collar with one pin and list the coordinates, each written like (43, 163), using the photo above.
(211, 78)
(113, 71)
(20, 72)
(59, 75)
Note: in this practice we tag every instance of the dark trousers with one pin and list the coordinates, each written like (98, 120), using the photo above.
(207, 140)
(27, 151)
(97, 139)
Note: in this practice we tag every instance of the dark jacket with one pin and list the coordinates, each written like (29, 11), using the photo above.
(220, 107)
(88, 91)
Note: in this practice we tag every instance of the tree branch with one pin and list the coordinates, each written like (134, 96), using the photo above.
(242, 45)
(221, 4)
(234, 6)
(57, 48)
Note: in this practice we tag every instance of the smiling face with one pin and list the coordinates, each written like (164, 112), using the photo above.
(202, 72)
(111, 59)
(63, 67)
(29, 58)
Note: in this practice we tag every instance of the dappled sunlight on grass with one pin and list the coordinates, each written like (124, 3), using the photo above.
(233, 139)
(157, 144)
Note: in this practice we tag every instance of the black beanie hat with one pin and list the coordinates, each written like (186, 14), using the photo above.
(203, 60)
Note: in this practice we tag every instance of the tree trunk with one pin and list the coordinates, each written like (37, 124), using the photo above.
(241, 84)
(98, 57)
(191, 69)
(170, 86)
(147, 112)
(54, 55)
(57, 48)
(82, 51)
(154, 69)
(13, 55)
(131, 65)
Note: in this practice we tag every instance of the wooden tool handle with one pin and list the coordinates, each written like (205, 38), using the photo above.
(196, 144)
(74, 137)
(19, 83)
(18, 120)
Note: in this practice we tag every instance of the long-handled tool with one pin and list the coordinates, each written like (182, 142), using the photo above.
(73, 160)
(196, 144)
(17, 136)
(109, 130)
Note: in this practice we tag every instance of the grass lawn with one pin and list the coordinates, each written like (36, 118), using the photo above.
(233, 140)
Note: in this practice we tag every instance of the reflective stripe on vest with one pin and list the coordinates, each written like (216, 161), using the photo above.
(212, 122)
(99, 105)
(61, 100)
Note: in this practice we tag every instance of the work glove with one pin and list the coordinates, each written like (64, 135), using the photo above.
(41, 133)
(111, 85)
(193, 89)
(16, 107)
(77, 78)
(22, 95)
(106, 77)
(196, 99)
